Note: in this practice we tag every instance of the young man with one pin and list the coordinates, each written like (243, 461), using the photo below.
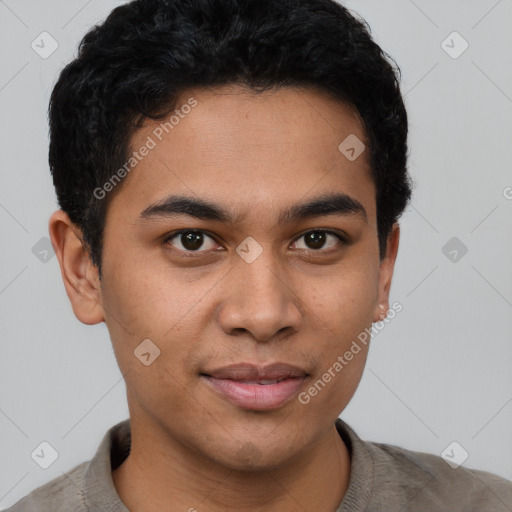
(230, 175)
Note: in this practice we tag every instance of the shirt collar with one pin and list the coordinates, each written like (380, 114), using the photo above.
(98, 486)
(101, 495)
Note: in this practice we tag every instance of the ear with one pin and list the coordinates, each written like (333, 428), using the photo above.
(387, 266)
(80, 276)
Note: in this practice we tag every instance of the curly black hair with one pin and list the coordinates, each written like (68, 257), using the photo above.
(134, 65)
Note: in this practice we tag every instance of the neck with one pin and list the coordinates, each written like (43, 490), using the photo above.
(152, 479)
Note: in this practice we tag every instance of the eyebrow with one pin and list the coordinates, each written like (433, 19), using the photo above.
(329, 204)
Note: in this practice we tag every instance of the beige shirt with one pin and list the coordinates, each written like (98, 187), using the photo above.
(383, 478)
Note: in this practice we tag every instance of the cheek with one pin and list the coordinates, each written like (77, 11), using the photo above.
(341, 311)
(153, 343)
(342, 305)
(159, 307)
(151, 302)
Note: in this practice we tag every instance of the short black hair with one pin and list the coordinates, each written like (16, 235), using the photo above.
(133, 66)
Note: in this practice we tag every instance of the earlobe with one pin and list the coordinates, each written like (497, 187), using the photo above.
(387, 266)
(79, 275)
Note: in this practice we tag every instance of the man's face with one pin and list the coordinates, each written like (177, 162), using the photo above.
(266, 283)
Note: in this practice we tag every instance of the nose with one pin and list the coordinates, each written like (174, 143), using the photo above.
(258, 298)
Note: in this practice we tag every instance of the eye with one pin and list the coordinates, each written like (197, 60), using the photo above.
(319, 239)
(191, 240)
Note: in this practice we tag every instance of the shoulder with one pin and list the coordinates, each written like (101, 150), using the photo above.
(88, 485)
(430, 481)
(63, 494)
(394, 478)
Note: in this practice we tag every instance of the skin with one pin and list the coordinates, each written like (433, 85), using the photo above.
(254, 155)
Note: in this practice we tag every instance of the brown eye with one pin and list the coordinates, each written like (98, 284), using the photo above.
(191, 240)
(317, 240)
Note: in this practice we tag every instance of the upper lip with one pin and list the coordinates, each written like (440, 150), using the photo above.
(251, 372)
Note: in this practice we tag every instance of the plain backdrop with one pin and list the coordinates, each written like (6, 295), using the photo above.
(439, 372)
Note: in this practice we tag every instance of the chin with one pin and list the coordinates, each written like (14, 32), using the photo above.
(252, 454)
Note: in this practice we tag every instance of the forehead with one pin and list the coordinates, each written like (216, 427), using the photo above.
(237, 147)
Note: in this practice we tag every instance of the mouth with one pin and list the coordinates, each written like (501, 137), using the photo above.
(257, 388)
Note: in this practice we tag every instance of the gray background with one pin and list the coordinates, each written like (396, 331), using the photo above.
(439, 372)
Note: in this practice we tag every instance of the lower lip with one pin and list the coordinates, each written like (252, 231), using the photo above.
(257, 397)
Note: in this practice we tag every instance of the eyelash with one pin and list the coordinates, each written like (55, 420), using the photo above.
(342, 239)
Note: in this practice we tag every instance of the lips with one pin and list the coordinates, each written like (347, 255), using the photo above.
(256, 387)
(249, 372)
